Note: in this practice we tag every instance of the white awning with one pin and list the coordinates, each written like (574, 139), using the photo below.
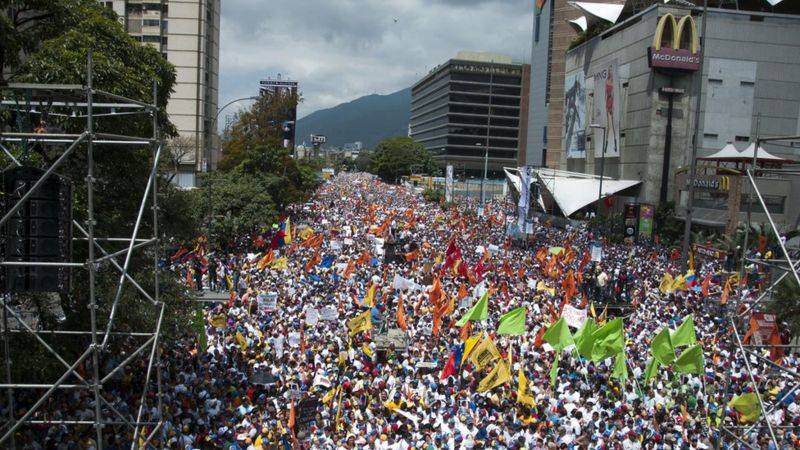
(730, 153)
(605, 11)
(571, 191)
(580, 24)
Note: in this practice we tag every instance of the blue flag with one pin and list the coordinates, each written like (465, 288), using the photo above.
(327, 262)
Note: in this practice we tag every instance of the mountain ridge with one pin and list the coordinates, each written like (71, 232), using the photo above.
(368, 119)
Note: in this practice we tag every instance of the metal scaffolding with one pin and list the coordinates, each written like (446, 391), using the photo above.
(86, 103)
(738, 314)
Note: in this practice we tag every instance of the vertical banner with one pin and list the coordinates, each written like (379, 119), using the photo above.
(524, 197)
(646, 214)
(606, 111)
(575, 115)
(448, 184)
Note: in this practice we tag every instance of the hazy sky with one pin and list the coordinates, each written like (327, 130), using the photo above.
(340, 50)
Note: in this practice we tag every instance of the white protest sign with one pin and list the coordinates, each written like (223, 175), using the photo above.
(336, 245)
(294, 339)
(328, 313)
(573, 316)
(348, 241)
(312, 316)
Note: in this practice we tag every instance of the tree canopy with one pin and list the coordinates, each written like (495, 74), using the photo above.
(398, 156)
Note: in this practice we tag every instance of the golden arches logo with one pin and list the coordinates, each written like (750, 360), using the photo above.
(686, 24)
(724, 183)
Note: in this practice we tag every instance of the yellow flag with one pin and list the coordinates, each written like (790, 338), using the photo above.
(524, 394)
(306, 233)
(219, 321)
(499, 375)
(280, 264)
(369, 299)
(241, 340)
(469, 345)
(591, 310)
(484, 353)
(359, 323)
(666, 283)
(679, 283)
(229, 282)
(541, 287)
(367, 351)
(329, 396)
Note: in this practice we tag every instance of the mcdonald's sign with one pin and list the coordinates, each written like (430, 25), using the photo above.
(675, 44)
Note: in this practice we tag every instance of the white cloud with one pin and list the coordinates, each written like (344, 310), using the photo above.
(340, 50)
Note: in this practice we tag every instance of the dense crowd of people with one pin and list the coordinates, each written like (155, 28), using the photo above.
(343, 331)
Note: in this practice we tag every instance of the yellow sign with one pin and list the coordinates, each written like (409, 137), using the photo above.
(676, 30)
(359, 323)
(499, 375)
(484, 353)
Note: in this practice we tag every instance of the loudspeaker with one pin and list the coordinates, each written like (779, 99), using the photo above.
(39, 231)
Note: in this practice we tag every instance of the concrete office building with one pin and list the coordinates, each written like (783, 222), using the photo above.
(750, 83)
(471, 103)
(187, 33)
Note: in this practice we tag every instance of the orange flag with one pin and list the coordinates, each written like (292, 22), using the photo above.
(232, 299)
(411, 256)
(351, 266)
(465, 331)
(436, 294)
(462, 291)
(706, 285)
(725, 292)
(401, 314)
(363, 258)
(313, 262)
(302, 337)
(263, 262)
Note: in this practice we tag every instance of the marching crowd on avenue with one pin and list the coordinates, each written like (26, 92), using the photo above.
(370, 318)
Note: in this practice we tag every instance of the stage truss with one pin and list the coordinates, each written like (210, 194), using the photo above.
(89, 105)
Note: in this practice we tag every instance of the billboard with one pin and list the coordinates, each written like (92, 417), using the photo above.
(283, 87)
(524, 196)
(575, 116)
(647, 213)
(606, 111)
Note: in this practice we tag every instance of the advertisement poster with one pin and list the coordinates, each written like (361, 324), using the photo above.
(448, 184)
(606, 111)
(575, 116)
(524, 196)
(646, 214)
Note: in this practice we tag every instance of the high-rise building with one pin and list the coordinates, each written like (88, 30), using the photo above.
(471, 103)
(187, 33)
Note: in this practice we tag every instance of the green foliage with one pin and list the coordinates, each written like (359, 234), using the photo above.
(786, 303)
(397, 156)
(259, 125)
(433, 195)
(595, 29)
(668, 228)
(610, 227)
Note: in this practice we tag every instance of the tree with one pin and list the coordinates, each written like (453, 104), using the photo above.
(397, 156)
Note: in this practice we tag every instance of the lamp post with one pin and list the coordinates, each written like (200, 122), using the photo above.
(485, 169)
(602, 159)
(208, 163)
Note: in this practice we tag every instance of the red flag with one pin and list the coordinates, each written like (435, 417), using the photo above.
(465, 331)
(706, 284)
(449, 367)
(539, 339)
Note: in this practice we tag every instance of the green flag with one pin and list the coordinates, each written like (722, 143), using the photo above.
(608, 340)
(620, 367)
(513, 322)
(651, 370)
(690, 361)
(554, 373)
(747, 405)
(480, 311)
(684, 335)
(662, 348)
(200, 329)
(558, 335)
(583, 338)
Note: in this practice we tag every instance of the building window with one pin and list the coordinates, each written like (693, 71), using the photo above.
(775, 204)
(710, 135)
(150, 22)
(742, 138)
(151, 38)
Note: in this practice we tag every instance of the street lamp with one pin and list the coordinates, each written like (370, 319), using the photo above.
(485, 168)
(214, 127)
(602, 159)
